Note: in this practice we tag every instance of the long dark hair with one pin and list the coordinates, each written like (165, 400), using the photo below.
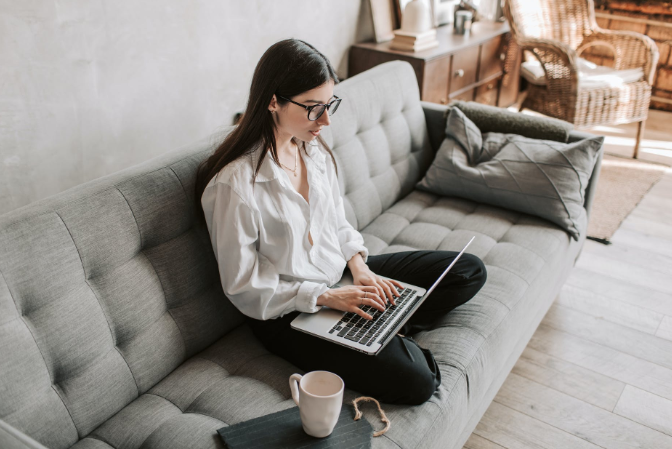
(288, 68)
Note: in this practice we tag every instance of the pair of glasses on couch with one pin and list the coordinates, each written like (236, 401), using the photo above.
(315, 111)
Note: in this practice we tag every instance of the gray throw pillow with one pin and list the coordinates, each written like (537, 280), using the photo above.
(538, 177)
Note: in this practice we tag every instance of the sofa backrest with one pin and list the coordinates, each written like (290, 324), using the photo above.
(379, 140)
(104, 290)
(107, 287)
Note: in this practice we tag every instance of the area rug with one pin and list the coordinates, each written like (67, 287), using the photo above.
(622, 185)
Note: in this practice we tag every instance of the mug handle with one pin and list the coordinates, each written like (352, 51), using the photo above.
(294, 380)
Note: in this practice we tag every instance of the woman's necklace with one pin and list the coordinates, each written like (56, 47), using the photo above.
(296, 161)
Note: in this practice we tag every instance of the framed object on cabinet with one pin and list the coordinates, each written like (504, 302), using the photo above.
(384, 20)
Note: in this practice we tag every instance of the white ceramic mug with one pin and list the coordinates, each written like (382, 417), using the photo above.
(319, 395)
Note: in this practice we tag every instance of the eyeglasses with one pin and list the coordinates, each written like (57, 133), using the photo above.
(315, 111)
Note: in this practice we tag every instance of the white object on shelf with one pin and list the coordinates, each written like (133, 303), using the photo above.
(417, 32)
(416, 17)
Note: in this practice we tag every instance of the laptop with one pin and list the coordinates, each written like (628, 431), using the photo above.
(368, 336)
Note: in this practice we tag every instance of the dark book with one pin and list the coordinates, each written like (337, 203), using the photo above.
(283, 429)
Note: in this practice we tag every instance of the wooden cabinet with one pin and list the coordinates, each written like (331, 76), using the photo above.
(487, 93)
(483, 66)
(463, 72)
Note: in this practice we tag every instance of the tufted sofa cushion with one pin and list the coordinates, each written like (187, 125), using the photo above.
(237, 379)
(104, 290)
(527, 259)
(379, 139)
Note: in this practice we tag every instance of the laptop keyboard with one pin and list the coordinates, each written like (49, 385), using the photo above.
(360, 330)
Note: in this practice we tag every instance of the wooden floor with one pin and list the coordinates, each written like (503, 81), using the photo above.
(598, 371)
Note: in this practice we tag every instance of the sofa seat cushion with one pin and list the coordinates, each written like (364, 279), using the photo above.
(525, 257)
(236, 379)
(233, 380)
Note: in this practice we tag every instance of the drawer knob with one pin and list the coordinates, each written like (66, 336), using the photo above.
(444, 100)
(502, 56)
(459, 73)
(490, 86)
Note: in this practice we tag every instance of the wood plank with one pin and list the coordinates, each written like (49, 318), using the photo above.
(601, 359)
(581, 383)
(665, 184)
(638, 344)
(646, 408)
(624, 270)
(655, 207)
(478, 442)
(665, 328)
(515, 430)
(648, 227)
(610, 309)
(579, 418)
(637, 239)
(632, 255)
(620, 290)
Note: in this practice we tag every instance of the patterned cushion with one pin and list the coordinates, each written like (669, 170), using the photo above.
(538, 177)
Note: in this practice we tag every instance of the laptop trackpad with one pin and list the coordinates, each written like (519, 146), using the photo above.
(318, 322)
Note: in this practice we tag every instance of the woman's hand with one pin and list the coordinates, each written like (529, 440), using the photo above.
(362, 275)
(351, 297)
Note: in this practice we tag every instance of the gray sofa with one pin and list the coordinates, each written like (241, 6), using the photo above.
(115, 331)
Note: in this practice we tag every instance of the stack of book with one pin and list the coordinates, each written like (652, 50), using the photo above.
(406, 41)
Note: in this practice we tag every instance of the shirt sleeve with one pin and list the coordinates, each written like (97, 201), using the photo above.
(349, 238)
(249, 279)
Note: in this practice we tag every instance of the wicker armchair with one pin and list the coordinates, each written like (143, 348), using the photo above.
(556, 32)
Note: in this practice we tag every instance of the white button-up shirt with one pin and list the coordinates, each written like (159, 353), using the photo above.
(267, 264)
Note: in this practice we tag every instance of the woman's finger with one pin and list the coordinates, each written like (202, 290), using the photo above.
(398, 284)
(373, 293)
(388, 290)
(395, 293)
(375, 304)
(381, 292)
(360, 312)
(393, 286)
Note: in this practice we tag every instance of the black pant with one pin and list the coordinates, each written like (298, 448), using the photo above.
(402, 373)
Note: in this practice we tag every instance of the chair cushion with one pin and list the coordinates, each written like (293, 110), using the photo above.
(591, 76)
(539, 177)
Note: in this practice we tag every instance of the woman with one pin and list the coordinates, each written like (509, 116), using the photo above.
(271, 201)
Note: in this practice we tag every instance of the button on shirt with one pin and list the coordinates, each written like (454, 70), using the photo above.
(267, 264)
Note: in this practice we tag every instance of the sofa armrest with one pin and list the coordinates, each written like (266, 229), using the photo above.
(435, 118)
(595, 176)
(493, 119)
(11, 438)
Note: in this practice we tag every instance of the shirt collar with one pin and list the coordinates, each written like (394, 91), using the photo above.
(269, 169)
(313, 150)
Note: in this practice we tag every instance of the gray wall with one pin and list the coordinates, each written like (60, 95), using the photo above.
(88, 88)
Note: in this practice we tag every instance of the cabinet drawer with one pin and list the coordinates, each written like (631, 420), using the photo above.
(435, 81)
(487, 93)
(463, 71)
(492, 58)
